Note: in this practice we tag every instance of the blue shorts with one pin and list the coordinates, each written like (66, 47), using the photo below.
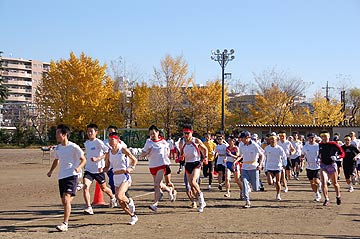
(329, 168)
(229, 165)
(68, 185)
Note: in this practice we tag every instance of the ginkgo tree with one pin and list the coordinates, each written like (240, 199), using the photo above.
(77, 92)
(326, 112)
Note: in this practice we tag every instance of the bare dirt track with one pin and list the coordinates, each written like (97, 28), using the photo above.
(31, 208)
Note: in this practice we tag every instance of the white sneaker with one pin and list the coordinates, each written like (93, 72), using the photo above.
(351, 189)
(133, 220)
(113, 203)
(202, 206)
(153, 207)
(286, 190)
(171, 195)
(89, 211)
(131, 205)
(247, 204)
(317, 197)
(209, 187)
(174, 195)
(79, 186)
(278, 197)
(62, 227)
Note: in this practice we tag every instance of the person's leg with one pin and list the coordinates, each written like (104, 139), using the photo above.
(324, 179)
(227, 182)
(269, 177)
(66, 201)
(245, 187)
(237, 179)
(333, 178)
(211, 170)
(278, 184)
(121, 197)
(86, 191)
(157, 181)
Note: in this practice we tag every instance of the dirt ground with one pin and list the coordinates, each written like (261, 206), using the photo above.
(31, 208)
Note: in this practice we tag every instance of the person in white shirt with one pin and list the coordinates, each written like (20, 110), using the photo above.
(220, 154)
(123, 164)
(70, 158)
(289, 150)
(310, 154)
(95, 154)
(157, 151)
(356, 143)
(252, 156)
(275, 162)
(295, 157)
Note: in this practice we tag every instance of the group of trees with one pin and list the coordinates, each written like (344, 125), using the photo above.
(79, 90)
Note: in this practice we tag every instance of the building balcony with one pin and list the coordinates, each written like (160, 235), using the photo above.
(17, 82)
(18, 99)
(17, 74)
(17, 66)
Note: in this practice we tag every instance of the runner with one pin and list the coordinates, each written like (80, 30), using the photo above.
(310, 154)
(71, 160)
(349, 162)
(157, 151)
(289, 150)
(122, 169)
(232, 166)
(190, 149)
(328, 151)
(209, 167)
(252, 157)
(220, 154)
(295, 157)
(95, 150)
(275, 162)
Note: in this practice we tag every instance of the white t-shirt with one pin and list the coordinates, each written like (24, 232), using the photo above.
(250, 154)
(298, 147)
(221, 150)
(94, 148)
(285, 146)
(311, 153)
(157, 152)
(69, 159)
(275, 158)
(191, 151)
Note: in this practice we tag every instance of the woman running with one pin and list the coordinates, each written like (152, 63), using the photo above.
(232, 166)
(117, 158)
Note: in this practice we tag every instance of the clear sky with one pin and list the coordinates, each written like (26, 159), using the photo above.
(317, 41)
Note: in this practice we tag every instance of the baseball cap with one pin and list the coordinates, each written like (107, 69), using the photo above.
(245, 134)
(310, 135)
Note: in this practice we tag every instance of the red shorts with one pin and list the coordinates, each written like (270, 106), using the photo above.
(154, 171)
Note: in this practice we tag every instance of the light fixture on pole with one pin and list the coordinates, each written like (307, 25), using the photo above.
(223, 58)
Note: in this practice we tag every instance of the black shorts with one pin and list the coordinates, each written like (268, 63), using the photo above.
(349, 170)
(167, 170)
(339, 164)
(68, 185)
(274, 172)
(220, 168)
(99, 177)
(295, 160)
(288, 165)
(190, 166)
(312, 173)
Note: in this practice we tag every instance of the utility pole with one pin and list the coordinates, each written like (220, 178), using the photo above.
(327, 90)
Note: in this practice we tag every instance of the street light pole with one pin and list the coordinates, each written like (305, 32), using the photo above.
(223, 58)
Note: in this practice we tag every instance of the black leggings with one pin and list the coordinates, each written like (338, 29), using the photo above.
(208, 171)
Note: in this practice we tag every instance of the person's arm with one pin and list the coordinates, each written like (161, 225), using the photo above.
(292, 149)
(203, 148)
(107, 163)
(53, 166)
(133, 160)
(81, 165)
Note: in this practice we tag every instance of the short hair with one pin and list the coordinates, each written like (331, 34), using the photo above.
(153, 127)
(207, 134)
(295, 132)
(112, 127)
(92, 126)
(64, 129)
(282, 132)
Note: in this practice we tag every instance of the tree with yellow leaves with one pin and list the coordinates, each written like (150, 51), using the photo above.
(326, 112)
(77, 92)
(167, 95)
(205, 106)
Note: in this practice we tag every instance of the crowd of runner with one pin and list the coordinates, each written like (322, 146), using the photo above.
(243, 157)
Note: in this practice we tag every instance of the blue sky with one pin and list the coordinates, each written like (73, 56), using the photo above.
(317, 41)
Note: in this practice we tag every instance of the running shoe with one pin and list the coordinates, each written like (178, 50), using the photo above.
(209, 187)
(89, 211)
(174, 195)
(326, 202)
(278, 197)
(63, 227)
(113, 202)
(317, 197)
(133, 220)
(247, 204)
(79, 186)
(153, 208)
(351, 189)
(202, 206)
(353, 180)
(286, 190)
(179, 171)
(131, 205)
(227, 195)
(193, 205)
(338, 200)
